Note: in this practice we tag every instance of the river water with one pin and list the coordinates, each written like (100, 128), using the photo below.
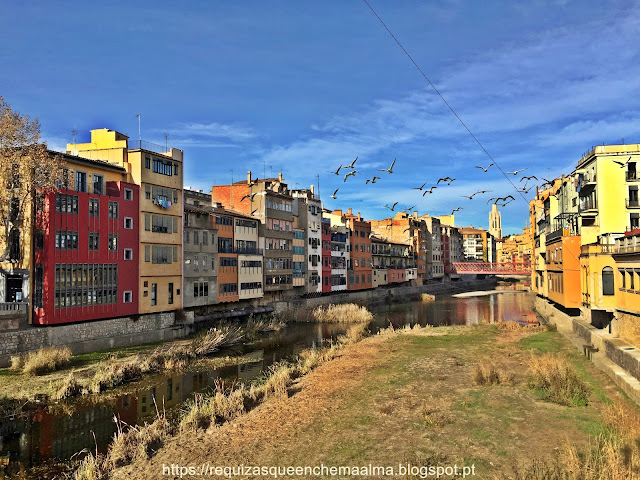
(56, 432)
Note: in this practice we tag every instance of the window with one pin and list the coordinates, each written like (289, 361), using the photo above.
(175, 224)
(94, 207)
(175, 169)
(170, 293)
(64, 240)
(186, 236)
(224, 220)
(205, 262)
(128, 194)
(154, 294)
(81, 181)
(147, 256)
(622, 276)
(205, 238)
(161, 224)
(147, 222)
(162, 167)
(200, 289)
(128, 254)
(128, 223)
(196, 262)
(147, 161)
(196, 238)
(127, 297)
(66, 203)
(607, 281)
(94, 241)
(147, 191)
(160, 254)
(98, 184)
(113, 243)
(113, 209)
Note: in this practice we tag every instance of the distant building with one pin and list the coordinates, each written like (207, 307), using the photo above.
(307, 206)
(495, 223)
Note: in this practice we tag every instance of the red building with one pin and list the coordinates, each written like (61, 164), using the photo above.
(326, 255)
(359, 277)
(87, 247)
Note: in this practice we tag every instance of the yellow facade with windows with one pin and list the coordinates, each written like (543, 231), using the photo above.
(159, 173)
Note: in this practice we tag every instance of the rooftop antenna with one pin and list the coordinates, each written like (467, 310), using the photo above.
(139, 130)
(166, 142)
(318, 177)
(74, 132)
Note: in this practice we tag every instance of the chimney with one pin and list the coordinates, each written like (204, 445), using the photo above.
(249, 177)
(312, 190)
(349, 211)
(280, 177)
(415, 214)
(359, 217)
(337, 212)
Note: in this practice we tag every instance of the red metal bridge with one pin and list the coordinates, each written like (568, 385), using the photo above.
(517, 268)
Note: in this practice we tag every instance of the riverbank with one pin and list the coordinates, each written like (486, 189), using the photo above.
(410, 396)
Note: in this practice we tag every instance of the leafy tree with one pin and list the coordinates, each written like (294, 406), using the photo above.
(27, 169)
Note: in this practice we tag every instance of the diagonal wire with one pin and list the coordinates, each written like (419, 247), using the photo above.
(445, 101)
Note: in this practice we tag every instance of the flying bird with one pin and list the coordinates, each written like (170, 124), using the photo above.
(409, 208)
(249, 196)
(622, 164)
(450, 180)
(470, 197)
(337, 172)
(334, 194)
(390, 169)
(419, 188)
(430, 191)
(254, 211)
(350, 174)
(529, 178)
(351, 164)
(442, 180)
(373, 180)
(368, 181)
(391, 207)
(455, 210)
(485, 169)
(517, 171)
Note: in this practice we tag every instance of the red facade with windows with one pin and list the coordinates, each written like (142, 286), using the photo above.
(326, 255)
(87, 255)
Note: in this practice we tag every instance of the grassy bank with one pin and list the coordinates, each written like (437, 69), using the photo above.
(515, 402)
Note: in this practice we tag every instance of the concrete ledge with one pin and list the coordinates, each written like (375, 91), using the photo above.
(615, 357)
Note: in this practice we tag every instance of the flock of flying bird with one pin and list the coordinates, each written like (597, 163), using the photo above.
(500, 201)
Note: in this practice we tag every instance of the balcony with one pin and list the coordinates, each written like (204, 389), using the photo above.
(595, 248)
(632, 176)
(151, 147)
(632, 203)
(248, 251)
(588, 209)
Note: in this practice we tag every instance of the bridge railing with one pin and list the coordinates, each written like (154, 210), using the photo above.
(497, 268)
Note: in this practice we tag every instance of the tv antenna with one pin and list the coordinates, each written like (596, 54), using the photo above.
(139, 130)
(166, 142)
(74, 132)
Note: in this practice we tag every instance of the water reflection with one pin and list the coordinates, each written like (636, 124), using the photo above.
(60, 431)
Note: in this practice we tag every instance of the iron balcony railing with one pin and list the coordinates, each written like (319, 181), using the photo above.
(152, 147)
(631, 203)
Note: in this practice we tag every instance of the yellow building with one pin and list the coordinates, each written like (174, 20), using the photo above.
(159, 172)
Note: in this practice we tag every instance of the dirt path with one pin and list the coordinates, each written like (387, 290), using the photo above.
(406, 397)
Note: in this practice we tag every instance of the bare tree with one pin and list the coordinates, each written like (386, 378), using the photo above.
(27, 169)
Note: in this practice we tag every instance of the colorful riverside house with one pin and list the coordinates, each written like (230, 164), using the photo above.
(159, 173)
(269, 201)
(410, 229)
(360, 267)
(87, 236)
(607, 182)
(626, 255)
(307, 206)
(451, 246)
(200, 271)
(326, 255)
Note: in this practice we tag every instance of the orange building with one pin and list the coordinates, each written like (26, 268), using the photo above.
(360, 270)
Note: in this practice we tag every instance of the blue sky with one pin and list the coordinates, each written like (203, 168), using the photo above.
(303, 87)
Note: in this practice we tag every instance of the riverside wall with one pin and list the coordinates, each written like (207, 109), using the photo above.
(617, 358)
(17, 337)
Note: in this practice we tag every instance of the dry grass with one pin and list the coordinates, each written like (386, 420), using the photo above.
(43, 361)
(216, 338)
(139, 442)
(487, 375)
(262, 325)
(91, 468)
(343, 313)
(214, 409)
(557, 381)
(110, 375)
(69, 387)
